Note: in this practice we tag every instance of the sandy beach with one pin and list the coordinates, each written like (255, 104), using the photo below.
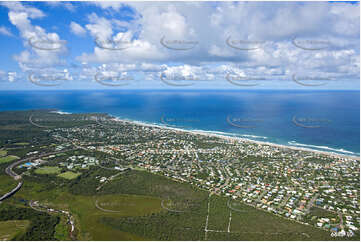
(230, 138)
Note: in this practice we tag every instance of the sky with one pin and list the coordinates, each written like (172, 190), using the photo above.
(187, 45)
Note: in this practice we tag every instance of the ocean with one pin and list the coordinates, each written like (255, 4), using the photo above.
(320, 120)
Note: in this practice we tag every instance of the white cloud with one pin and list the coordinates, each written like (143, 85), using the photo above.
(31, 12)
(77, 29)
(210, 25)
(136, 44)
(69, 6)
(43, 48)
(65, 5)
(109, 5)
(5, 31)
(99, 27)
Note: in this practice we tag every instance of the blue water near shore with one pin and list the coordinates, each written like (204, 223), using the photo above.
(321, 120)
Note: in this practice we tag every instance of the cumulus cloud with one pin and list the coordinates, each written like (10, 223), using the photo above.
(109, 4)
(5, 31)
(77, 29)
(273, 28)
(43, 48)
(204, 40)
(67, 5)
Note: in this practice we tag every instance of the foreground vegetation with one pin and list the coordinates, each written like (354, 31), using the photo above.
(12, 228)
(41, 227)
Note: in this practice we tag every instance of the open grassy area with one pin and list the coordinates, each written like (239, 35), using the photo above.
(319, 212)
(88, 216)
(9, 229)
(69, 175)
(3, 153)
(139, 216)
(218, 213)
(128, 205)
(61, 230)
(249, 223)
(175, 205)
(48, 170)
(6, 184)
(21, 143)
(8, 158)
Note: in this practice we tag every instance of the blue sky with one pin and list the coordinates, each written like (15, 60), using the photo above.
(188, 45)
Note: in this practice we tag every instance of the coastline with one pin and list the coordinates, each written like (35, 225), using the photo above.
(235, 138)
(232, 137)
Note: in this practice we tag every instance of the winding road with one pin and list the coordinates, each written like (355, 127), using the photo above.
(16, 177)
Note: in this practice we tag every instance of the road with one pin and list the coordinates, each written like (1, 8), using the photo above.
(283, 203)
(311, 202)
(16, 177)
(12, 192)
(261, 196)
(10, 172)
(42, 208)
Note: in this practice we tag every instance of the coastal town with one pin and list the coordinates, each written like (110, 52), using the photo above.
(313, 188)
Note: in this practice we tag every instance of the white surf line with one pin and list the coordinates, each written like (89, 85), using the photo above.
(229, 223)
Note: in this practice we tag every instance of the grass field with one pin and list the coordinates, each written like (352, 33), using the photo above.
(322, 212)
(61, 230)
(253, 224)
(88, 216)
(6, 184)
(127, 205)
(179, 206)
(69, 175)
(48, 170)
(9, 229)
(8, 158)
(129, 222)
(3, 153)
(21, 143)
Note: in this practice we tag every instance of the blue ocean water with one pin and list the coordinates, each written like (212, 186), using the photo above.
(322, 120)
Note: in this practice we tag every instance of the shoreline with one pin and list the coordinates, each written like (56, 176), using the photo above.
(235, 138)
(232, 137)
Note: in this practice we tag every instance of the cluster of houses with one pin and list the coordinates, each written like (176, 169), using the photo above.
(80, 161)
(287, 182)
